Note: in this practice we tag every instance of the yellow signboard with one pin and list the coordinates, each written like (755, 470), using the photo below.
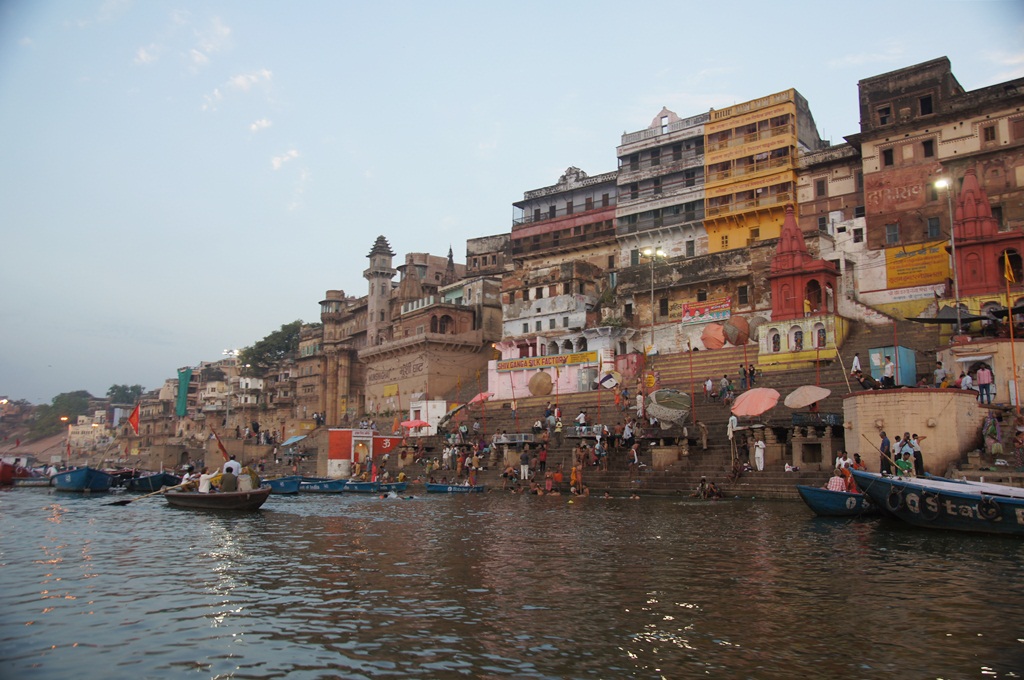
(548, 361)
(917, 265)
(390, 390)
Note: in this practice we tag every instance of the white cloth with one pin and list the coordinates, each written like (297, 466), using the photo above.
(855, 366)
(733, 424)
(842, 462)
(967, 383)
(759, 455)
(204, 483)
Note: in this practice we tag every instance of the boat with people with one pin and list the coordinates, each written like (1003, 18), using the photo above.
(454, 488)
(828, 503)
(944, 504)
(323, 486)
(83, 479)
(283, 485)
(219, 500)
(152, 482)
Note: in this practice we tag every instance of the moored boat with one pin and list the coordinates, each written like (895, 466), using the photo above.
(31, 481)
(454, 488)
(353, 486)
(323, 486)
(283, 485)
(153, 482)
(827, 503)
(232, 500)
(83, 479)
(942, 504)
(397, 487)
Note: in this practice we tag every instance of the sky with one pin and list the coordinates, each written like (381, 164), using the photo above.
(179, 178)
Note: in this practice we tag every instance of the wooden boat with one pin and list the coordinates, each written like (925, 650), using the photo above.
(454, 488)
(397, 487)
(32, 481)
(826, 503)
(935, 504)
(6, 474)
(232, 500)
(283, 485)
(83, 479)
(323, 486)
(153, 482)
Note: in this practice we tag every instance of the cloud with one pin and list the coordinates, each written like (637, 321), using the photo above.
(278, 161)
(147, 54)
(215, 38)
(892, 53)
(261, 124)
(299, 189)
(198, 58)
(211, 100)
(1011, 65)
(245, 81)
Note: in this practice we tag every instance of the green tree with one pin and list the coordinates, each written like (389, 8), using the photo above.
(123, 394)
(272, 349)
(48, 416)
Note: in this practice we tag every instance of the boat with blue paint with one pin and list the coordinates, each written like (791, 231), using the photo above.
(153, 482)
(323, 486)
(397, 487)
(83, 479)
(354, 486)
(828, 503)
(977, 507)
(284, 485)
(454, 488)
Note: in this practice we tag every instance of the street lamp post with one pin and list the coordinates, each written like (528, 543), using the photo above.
(948, 186)
(652, 254)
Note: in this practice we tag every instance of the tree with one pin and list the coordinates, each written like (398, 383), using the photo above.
(123, 394)
(48, 416)
(272, 349)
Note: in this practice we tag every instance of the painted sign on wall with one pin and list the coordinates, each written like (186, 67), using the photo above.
(691, 311)
(547, 361)
(917, 265)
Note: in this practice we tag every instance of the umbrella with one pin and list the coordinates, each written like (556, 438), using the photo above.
(609, 379)
(755, 323)
(948, 315)
(540, 384)
(1000, 312)
(713, 336)
(483, 396)
(755, 402)
(415, 423)
(737, 330)
(670, 407)
(805, 395)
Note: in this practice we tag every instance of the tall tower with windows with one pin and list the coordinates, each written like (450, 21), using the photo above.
(378, 307)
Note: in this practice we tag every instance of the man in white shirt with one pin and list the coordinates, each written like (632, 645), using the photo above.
(205, 484)
(855, 366)
(233, 466)
(759, 455)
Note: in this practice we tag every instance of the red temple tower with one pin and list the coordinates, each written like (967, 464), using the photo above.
(796, 277)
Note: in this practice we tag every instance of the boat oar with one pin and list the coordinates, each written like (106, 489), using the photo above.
(880, 451)
(155, 493)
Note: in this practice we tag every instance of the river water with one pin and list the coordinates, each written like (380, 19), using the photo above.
(495, 585)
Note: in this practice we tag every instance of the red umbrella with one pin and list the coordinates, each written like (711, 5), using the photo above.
(755, 402)
(414, 423)
(483, 396)
(713, 336)
(737, 331)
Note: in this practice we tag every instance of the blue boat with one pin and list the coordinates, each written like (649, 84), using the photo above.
(353, 486)
(323, 486)
(454, 488)
(935, 504)
(397, 487)
(283, 485)
(83, 479)
(826, 503)
(153, 482)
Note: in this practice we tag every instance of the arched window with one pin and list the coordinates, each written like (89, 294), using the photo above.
(812, 292)
(775, 340)
(796, 339)
(553, 347)
(1016, 266)
(581, 345)
(447, 325)
(433, 324)
(973, 271)
(567, 345)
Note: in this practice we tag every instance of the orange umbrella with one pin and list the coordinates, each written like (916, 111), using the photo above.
(737, 331)
(483, 396)
(713, 336)
(755, 402)
(415, 423)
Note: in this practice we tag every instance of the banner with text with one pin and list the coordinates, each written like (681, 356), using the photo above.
(547, 361)
(918, 265)
(692, 311)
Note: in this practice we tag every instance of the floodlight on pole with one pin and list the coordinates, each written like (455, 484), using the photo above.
(948, 186)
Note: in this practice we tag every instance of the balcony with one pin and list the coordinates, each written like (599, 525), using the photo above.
(743, 205)
(666, 164)
(650, 222)
(739, 140)
(746, 169)
(556, 241)
(580, 210)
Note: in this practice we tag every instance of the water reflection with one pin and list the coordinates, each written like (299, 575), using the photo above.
(498, 585)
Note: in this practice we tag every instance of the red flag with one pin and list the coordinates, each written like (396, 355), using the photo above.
(220, 444)
(133, 419)
(17, 443)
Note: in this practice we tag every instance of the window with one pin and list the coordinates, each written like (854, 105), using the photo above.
(933, 192)
(823, 223)
(551, 324)
(526, 294)
(589, 203)
(725, 241)
(634, 161)
(884, 114)
(536, 214)
(928, 146)
(657, 185)
(494, 259)
(677, 152)
(743, 295)
(858, 211)
(611, 262)
(926, 105)
(526, 328)
(690, 248)
(887, 157)
(539, 293)
(655, 156)
(997, 215)
(476, 263)
(933, 227)
(565, 322)
(551, 212)
(702, 295)
(988, 133)
(858, 236)
(604, 200)
(627, 310)
(1017, 128)
(568, 207)
(820, 188)
(634, 190)
(663, 307)
(892, 233)
(539, 325)
(634, 258)
(664, 124)
(755, 233)
(567, 288)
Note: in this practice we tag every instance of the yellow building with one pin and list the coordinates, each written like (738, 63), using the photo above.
(750, 161)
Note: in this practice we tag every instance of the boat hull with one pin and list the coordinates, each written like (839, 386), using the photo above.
(323, 486)
(153, 482)
(947, 505)
(397, 487)
(234, 500)
(83, 479)
(826, 503)
(31, 481)
(454, 488)
(283, 485)
(362, 487)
